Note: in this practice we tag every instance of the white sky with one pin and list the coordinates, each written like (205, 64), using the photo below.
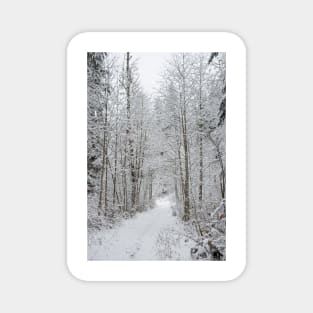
(150, 66)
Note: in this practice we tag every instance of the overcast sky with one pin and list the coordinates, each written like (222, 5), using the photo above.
(150, 67)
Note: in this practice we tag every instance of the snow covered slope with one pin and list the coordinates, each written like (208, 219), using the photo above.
(152, 235)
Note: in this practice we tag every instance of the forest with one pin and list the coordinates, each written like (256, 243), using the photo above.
(156, 161)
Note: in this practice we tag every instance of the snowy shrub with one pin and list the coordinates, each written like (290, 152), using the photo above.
(210, 244)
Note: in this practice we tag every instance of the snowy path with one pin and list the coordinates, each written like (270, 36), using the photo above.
(151, 235)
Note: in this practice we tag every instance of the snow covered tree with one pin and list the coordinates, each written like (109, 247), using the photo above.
(142, 147)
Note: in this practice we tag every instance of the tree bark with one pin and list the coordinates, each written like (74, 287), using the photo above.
(185, 145)
(104, 173)
(128, 131)
(200, 137)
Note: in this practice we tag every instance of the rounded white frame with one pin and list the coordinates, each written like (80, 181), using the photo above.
(77, 261)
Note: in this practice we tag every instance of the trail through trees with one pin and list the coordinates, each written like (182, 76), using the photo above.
(143, 148)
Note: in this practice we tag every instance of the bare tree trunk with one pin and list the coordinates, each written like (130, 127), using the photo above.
(186, 186)
(182, 184)
(200, 171)
(115, 169)
(103, 180)
(128, 131)
(140, 156)
(200, 137)
(100, 206)
(150, 187)
(106, 143)
(125, 180)
(115, 147)
(140, 166)
(177, 198)
(185, 145)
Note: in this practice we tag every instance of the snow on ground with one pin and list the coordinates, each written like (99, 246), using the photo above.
(152, 235)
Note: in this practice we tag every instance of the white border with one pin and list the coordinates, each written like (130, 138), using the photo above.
(77, 152)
